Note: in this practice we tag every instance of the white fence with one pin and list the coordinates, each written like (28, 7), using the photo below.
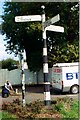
(14, 77)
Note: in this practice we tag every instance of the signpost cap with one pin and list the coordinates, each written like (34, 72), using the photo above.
(43, 7)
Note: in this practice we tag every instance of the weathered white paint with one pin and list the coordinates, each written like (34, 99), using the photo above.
(45, 68)
(46, 95)
(44, 51)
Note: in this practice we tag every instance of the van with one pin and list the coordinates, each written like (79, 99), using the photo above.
(65, 77)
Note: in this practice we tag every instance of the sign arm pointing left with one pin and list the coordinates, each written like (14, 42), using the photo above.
(28, 18)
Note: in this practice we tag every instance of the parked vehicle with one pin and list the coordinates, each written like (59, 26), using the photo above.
(65, 77)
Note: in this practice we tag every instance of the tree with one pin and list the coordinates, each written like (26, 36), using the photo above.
(28, 35)
(9, 64)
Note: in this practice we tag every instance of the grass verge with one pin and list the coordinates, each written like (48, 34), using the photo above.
(68, 109)
(4, 115)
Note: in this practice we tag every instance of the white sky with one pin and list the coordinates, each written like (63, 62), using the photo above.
(3, 53)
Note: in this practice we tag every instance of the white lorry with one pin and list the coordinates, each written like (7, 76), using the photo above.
(65, 77)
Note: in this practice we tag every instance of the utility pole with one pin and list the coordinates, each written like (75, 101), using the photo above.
(45, 62)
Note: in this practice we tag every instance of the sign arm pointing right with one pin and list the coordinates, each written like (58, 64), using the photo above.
(55, 28)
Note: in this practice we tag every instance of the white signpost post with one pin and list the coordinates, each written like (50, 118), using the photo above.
(46, 25)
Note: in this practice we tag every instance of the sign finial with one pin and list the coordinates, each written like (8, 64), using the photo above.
(43, 7)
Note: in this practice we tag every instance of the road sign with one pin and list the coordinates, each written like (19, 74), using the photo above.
(55, 28)
(51, 21)
(28, 18)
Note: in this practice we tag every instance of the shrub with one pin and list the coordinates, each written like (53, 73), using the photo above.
(62, 107)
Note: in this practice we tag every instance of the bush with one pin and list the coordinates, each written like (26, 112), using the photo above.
(60, 108)
(36, 106)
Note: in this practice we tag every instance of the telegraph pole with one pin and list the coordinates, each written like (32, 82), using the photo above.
(45, 62)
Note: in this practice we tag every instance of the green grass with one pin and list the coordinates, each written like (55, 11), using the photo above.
(7, 116)
(69, 113)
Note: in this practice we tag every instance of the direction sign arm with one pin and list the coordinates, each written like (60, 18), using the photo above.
(28, 18)
(55, 28)
(55, 19)
(51, 21)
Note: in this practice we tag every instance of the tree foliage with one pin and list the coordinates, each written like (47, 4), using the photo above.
(28, 35)
(9, 64)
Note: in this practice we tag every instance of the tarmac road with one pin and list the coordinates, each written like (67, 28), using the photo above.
(34, 93)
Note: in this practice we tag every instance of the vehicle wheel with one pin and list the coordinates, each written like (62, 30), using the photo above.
(74, 89)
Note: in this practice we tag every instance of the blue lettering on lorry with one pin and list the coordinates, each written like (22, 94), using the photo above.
(70, 76)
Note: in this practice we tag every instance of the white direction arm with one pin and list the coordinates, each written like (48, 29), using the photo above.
(55, 28)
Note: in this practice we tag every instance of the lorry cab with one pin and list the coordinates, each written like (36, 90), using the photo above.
(65, 77)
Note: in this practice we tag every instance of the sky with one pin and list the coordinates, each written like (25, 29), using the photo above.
(3, 53)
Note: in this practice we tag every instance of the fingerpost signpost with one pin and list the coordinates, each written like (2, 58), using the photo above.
(46, 25)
